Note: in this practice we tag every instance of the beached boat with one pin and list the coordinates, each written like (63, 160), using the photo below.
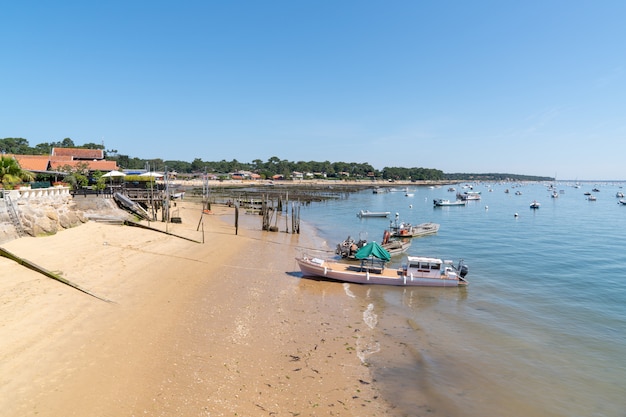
(442, 202)
(535, 204)
(418, 271)
(367, 213)
(127, 204)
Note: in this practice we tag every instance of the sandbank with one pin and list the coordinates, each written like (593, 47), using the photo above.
(221, 328)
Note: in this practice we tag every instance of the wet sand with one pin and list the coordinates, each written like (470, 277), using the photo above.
(221, 328)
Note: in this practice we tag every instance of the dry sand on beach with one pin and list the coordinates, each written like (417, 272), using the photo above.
(221, 328)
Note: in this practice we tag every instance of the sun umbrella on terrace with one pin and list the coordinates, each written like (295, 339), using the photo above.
(151, 174)
(114, 174)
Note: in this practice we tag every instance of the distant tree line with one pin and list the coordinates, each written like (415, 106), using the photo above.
(20, 146)
(494, 177)
(273, 166)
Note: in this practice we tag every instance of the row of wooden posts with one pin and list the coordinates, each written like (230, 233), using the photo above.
(270, 210)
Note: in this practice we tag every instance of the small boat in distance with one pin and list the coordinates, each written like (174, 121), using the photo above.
(469, 195)
(367, 213)
(418, 271)
(441, 202)
(535, 205)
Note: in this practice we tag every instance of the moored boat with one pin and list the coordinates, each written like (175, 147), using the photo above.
(401, 229)
(367, 213)
(418, 271)
(349, 247)
(469, 195)
(535, 204)
(442, 202)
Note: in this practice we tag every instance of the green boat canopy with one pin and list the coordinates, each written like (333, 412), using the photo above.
(373, 249)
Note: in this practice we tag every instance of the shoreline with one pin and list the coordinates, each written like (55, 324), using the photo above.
(221, 328)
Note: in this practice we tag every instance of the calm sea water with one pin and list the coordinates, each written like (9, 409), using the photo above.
(540, 330)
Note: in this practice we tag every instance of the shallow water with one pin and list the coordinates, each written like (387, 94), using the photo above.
(540, 330)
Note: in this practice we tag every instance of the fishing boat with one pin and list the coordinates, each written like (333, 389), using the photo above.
(535, 204)
(349, 247)
(401, 229)
(417, 230)
(417, 271)
(469, 195)
(367, 213)
(442, 202)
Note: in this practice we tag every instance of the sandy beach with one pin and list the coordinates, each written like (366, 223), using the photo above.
(180, 328)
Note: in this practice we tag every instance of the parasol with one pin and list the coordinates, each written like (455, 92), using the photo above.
(151, 174)
(114, 174)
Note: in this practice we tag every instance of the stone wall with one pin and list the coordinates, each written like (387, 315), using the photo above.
(47, 211)
(42, 212)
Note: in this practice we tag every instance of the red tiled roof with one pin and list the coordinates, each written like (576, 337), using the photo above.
(32, 162)
(93, 165)
(79, 153)
(61, 158)
(47, 163)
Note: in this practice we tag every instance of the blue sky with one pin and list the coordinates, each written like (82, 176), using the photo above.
(524, 87)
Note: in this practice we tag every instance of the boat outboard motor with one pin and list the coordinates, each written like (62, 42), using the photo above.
(463, 269)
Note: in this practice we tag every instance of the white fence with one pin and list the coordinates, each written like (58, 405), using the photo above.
(27, 193)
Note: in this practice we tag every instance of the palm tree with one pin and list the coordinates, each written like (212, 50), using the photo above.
(11, 173)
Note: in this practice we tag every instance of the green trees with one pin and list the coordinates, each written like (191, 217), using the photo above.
(16, 146)
(417, 174)
(273, 166)
(11, 174)
(77, 175)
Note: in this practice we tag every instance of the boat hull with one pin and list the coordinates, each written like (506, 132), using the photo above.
(344, 272)
(366, 213)
(423, 229)
(448, 203)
